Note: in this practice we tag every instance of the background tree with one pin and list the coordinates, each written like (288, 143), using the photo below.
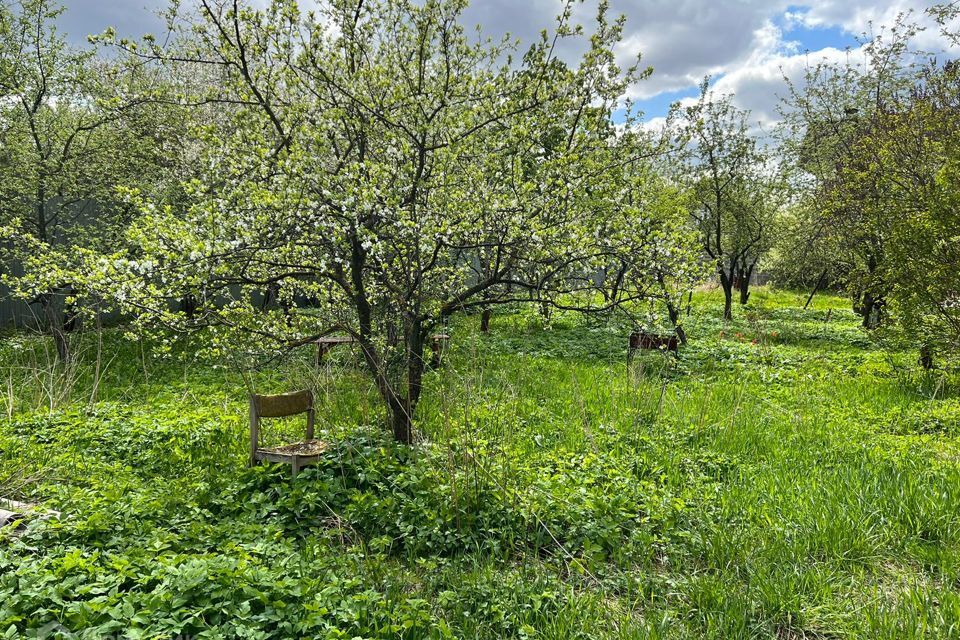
(660, 260)
(834, 119)
(723, 169)
(875, 142)
(73, 129)
(756, 222)
(804, 253)
(918, 147)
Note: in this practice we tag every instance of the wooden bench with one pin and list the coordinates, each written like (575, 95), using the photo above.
(438, 346)
(651, 341)
(297, 454)
(326, 343)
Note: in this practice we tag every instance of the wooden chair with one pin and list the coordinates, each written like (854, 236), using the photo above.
(297, 454)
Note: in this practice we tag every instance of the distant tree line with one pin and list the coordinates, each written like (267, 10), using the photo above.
(873, 147)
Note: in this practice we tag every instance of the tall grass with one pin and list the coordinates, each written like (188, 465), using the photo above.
(785, 477)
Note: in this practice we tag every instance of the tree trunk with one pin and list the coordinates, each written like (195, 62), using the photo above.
(673, 311)
(47, 300)
(188, 305)
(876, 317)
(485, 320)
(871, 304)
(926, 357)
(727, 283)
(674, 314)
(71, 314)
(869, 310)
(55, 326)
(401, 419)
(401, 406)
(823, 276)
(545, 310)
(270, 296)
(71, 318)
(745, 275)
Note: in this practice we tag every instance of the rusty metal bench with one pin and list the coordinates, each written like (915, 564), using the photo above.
(641, 340)
(297, 454)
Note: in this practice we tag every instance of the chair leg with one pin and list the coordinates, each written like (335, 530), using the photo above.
(296, 466)
(254, 433)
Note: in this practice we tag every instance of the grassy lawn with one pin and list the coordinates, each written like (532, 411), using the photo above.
(785, 478)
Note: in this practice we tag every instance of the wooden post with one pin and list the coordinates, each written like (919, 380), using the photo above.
(438, 344)
(823, 276)
(295, 464)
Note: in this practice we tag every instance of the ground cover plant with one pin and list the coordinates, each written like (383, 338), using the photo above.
(787, 476)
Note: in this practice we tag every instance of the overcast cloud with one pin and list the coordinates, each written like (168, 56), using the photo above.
(746, 45)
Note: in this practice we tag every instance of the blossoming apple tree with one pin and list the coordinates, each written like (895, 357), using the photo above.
(378, 168)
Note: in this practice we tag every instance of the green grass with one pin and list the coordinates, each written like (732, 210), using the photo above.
(786, 477)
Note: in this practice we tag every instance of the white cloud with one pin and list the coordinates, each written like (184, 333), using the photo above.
(738, 42)
(758, 81)
(685, 40)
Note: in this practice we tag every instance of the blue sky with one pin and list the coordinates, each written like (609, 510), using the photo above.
(659, 105)
(817, 38)
(746, 46)
(798, 38)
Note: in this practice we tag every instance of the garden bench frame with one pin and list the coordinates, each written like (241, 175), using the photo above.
(326, 343)
(642, 341)
(438, 346)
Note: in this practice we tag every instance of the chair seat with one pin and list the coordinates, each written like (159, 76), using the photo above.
(306, 450)
(296, 454)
